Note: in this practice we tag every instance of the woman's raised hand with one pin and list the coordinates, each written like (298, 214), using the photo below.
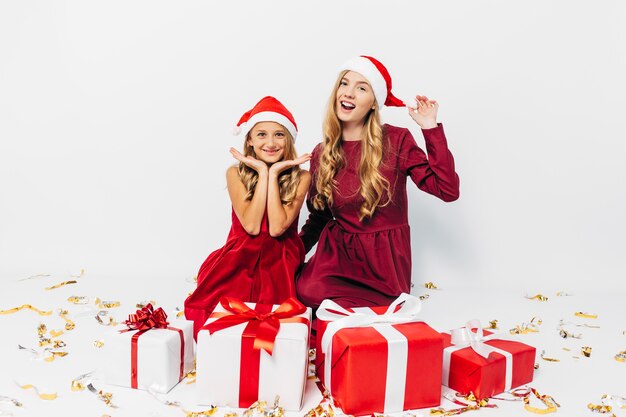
(425, 113)
(280, 166)
(249, 161)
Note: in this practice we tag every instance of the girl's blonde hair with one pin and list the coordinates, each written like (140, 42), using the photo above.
(288, 180)
(373, 185)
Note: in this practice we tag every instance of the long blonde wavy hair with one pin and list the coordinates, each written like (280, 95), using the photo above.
(288, 180)
(373, 185)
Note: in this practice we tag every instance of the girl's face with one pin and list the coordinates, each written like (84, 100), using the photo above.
(355, 98)
(269, 141)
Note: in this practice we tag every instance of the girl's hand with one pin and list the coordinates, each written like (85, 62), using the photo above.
(255, 164)
(425, 114)
(280, 166)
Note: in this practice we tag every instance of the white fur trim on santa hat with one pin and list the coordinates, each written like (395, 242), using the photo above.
(269, 116)
(366, 68)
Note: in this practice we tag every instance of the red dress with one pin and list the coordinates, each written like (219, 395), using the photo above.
(258, 269)
(369, 263)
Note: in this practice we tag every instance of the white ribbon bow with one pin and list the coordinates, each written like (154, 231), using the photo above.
(465, 337)
(340, 318)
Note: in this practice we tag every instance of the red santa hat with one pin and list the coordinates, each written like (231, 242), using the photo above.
(268, 109)
(378, 77)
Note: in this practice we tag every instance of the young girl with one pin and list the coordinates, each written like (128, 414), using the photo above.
(267, 188)
(358, 199)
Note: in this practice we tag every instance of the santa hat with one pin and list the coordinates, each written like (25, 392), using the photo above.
(378, 77)
(268, 109)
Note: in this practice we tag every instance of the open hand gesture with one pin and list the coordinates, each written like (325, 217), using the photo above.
(249, 161)
(425, 114)
(280, 166)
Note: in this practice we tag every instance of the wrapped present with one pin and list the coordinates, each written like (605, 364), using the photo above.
(487, 364)
(379, 359)
(149, 353)
(249, 352)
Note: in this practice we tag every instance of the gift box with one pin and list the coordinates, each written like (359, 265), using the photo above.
(249, 352)
(379, 359)
(149, 353)
(487, 364)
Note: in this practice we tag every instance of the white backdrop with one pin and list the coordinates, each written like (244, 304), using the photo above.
(116, 119)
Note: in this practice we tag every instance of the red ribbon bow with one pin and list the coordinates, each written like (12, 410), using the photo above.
(147, 318)
(267, 324)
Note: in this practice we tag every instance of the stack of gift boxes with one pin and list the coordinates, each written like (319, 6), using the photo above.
(370, 360)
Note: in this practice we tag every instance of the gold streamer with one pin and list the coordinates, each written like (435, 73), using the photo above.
(61, 284)
(621, 356)
(543, 352)
(538, 297)
(47, 397)
(69, 324)
(78, 299)
(98, 343)
(105, 397)
(585, 315)
(525, 328)
(565, 335)
(547, 400)
(111, 322)
(144, 303)
(28, 307)
(107, 304)
(599, 408)
(430, 286)
(586, 350)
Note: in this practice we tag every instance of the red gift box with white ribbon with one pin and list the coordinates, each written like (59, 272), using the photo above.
(249, 352)
(485, 363)
(379, 359)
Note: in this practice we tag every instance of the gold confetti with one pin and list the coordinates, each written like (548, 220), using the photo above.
(493, 325)
(192, 376)
(208, 412)
(586, 350)
(78, 299)
(621, 356)
(105, 397)
(430, 286)
(567, 349)
(144, 303)
(543, 352)
(536, 366)
(58, 344)
(424, 297)
(111, 322)
(547, 400)
(538, 297)
(525, 328)
(47, 397)
(54, 354)
(28, 307)
(107, 304)
(565, 335)
(62, 284)
(602, 409)
(563, 294)
(69, 324)
(585, 315)
(98, 343)
(56, 333)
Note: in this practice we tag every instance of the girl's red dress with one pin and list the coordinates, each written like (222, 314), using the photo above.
(258, 269)
(369, 263)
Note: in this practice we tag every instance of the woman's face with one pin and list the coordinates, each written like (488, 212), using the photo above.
(268, 139)
(355, 98)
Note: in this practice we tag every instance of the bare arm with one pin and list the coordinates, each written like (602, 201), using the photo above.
(249, 212)
(281, 216)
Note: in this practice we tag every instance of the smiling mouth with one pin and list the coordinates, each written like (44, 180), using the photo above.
(271, 151)
(347, 106)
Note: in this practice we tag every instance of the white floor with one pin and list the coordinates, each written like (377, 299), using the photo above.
(573, 382)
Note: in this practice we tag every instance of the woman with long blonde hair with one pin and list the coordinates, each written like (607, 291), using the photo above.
(358, 200)
(267, 188)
